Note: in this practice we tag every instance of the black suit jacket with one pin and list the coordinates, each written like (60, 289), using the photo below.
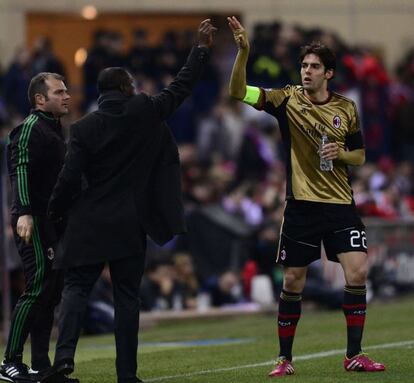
(129, 160)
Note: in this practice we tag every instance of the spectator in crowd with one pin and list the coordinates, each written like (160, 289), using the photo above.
(170, 283)
(188, 284)
(16, 82)
(43, 59)
(140, 56)
(225, 289)
(98, 59)
(100, 313)
(220, 134)
(403, 131)
(159, 287)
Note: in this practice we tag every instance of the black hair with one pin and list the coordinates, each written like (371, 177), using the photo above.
(323, 52)
(114, 78)
(38, 85)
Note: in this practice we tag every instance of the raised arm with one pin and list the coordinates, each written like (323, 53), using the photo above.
(237, 86)
(170, 98)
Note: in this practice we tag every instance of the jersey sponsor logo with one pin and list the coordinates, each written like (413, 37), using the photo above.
(309, 131)
(337, 122)
(283, 255)
(304, 108)
(322, 129)
(50, 253)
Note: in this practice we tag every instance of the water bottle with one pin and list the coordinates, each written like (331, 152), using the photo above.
(324, 164)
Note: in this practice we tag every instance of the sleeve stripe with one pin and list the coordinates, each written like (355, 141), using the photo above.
(23, 154)
(20, 168)
(21, 184)
(22, 164)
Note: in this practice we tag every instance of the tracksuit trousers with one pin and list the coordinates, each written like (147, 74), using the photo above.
(33, 313)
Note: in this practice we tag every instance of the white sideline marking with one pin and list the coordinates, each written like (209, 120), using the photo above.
(300, 357)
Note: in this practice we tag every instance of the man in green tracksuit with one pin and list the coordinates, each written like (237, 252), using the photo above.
(35, 156)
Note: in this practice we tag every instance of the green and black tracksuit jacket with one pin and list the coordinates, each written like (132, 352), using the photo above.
(35, 155)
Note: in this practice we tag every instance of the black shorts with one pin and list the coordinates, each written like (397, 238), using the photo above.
(307, 224)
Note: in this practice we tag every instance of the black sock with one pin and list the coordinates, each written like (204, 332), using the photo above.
(354, 306)
(288, 317)
(14, 359)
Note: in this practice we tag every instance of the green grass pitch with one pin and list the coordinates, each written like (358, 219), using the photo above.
(389, 338)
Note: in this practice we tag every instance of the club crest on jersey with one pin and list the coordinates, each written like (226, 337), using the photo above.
(283, 255)
(50, 253)
(337, 122)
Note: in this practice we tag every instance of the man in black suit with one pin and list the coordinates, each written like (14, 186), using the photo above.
(127, 158)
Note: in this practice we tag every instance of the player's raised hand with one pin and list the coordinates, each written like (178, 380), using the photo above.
(239, 33)
(206, 32)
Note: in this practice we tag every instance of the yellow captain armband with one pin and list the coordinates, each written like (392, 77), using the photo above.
(252, 95)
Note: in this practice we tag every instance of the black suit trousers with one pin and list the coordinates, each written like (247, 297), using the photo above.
(126, 275)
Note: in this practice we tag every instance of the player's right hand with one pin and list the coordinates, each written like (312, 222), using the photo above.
(239, 33)
(24, 228)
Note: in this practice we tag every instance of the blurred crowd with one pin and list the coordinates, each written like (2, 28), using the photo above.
(231, 155)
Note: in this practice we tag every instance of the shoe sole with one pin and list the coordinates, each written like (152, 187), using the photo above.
(5, 379)
(18, 380)
(65, 368)
(368, 371)
(54, 377)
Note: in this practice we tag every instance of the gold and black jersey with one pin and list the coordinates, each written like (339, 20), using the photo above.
(302, 123)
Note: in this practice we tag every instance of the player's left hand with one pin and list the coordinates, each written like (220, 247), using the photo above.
(330, 151)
